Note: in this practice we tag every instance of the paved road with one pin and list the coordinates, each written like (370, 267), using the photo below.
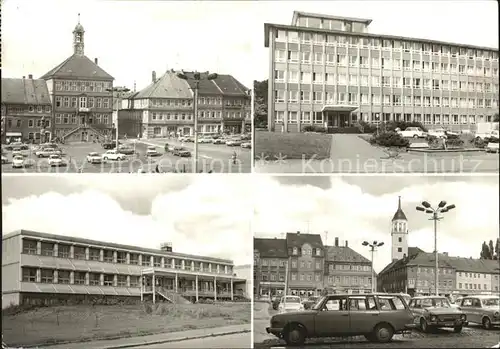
(216, 158)
(240, 340)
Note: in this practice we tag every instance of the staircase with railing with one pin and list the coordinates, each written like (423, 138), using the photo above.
(84, 127)
(171, 295)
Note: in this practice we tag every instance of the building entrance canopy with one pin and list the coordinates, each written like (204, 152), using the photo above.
(339, 108)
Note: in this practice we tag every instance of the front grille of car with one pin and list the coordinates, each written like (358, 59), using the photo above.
(446, 318)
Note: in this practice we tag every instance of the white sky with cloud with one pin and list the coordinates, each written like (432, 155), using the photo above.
(211, 216)
(352, 213)
(133, 38)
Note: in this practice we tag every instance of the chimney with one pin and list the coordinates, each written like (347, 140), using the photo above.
(166, 247)
(24, 77)
(298, 232)
(346, 243)
(336, 242)
(153, 76)
(96, 61)
(30, 76)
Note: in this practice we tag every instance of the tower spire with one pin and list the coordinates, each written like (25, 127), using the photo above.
(399, 202)
(78, 18)
(78, 39)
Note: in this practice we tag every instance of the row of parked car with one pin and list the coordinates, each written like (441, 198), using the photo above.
(242, 141)
(377, 316)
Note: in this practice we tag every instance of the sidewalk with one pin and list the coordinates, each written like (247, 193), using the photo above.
(155, 339)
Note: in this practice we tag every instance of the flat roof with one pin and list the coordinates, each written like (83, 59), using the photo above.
(77, 240)
(297, 14)
(267, 26)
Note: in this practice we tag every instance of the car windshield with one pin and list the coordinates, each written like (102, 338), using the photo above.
(291, 300)
(18, 158)
(93, 154)
(491, 302)
(435, 302)
(318, 303)
(54, 157)
(151, 148)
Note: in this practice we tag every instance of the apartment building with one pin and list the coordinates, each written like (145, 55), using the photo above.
(80, 91)
(346, 271)
(166, 105)
(270, 266)
(329, 71)
(39, 268)
(26, 110)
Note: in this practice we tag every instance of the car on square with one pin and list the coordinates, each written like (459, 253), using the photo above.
(482, 309)
(432, 312)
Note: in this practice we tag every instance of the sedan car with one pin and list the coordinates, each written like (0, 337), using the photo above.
(13, 145)
(18, 161)
(246, 145)
(17, 151)
(205, 140)
(431, 312)
(376, 316)
(56, 160)
(126, 150)
(219, 141)
(482, 309)
(290, 303)
(94, 158)
(152, 151)
(413, 132)
(179, 151)
(235, 142)
(47, 152)
(113, 155)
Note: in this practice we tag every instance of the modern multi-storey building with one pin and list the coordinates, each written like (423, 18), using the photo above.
(270, 266)
(166, 106)
(346, 270)
(81, 95)
(330, 71)
(413, 270)
(26, 110)
(40, 268)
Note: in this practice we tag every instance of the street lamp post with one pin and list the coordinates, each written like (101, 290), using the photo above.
(434, 212)
(373, 246)
(119, 91)
(197, 77)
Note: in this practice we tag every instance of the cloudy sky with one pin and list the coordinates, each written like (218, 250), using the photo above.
(209, 215)
(133, 38)
(361, 208)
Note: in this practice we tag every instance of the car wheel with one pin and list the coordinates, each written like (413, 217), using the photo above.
(424, 326)
(415, 136)
(105, 158)
(457, 329)
(383, 333)
(486, 323)
(295, 335)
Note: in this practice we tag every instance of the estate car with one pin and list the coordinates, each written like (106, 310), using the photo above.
(482, 309)
(431, 312)
(376, 316)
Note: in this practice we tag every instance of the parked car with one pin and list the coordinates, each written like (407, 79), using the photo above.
(456, 302)
(4, 160)
(234, 142)
(56, 160)
(47, 152)
(290, 303)
(487, 135)
(182, 152)
(124, 149)
(219, 140)
(18, 161)
(152, 151)
(432, 312)
(492, 147)
(343, 315)
(17, 151)
(186, 139)
(413, 132)
(110, 145)
(205, 140)
(94, 158)
(309, 302)
(246, 145)
(482, 309)
(113, 155)
(246, 137)
(13, 145)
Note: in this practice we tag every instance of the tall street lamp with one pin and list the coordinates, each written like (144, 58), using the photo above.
(196, 77)
(373, 247)
(434, 212)
(119, 92)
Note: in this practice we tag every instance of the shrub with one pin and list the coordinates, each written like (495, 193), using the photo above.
(389, 139)
(365, 127)
(454, 142)
(313, 128)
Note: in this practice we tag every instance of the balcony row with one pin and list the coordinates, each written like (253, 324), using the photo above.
(39, 248)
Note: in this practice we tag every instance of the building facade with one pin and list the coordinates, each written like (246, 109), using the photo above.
(307, 262)
(26, 110)
(346, 271)
(166, 106)
(40, 268)
(330, 71)
(270, 267)
(80, 91)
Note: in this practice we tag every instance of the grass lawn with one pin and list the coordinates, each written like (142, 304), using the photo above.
(275, 145)
(84, 323)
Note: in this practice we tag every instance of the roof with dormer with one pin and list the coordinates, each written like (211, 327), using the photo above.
(167, 86)
(399, 215)
(344, 254)
(77, 66)
(298, 239)
(25, 91)
(270, 248)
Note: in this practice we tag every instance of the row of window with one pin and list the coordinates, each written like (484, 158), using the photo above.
(109, 256)
(427, 283)
(75, 85)
(317, 118)
(281, 76)
(32, 123)
(72, 119)
(304, 97)
(471, 286)
(204, 114)
(330, 24)
(385, 44)
(342, 60)
(474, 275)
(353, 280)
(29, 108)
(170, 102)
(83, 102)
